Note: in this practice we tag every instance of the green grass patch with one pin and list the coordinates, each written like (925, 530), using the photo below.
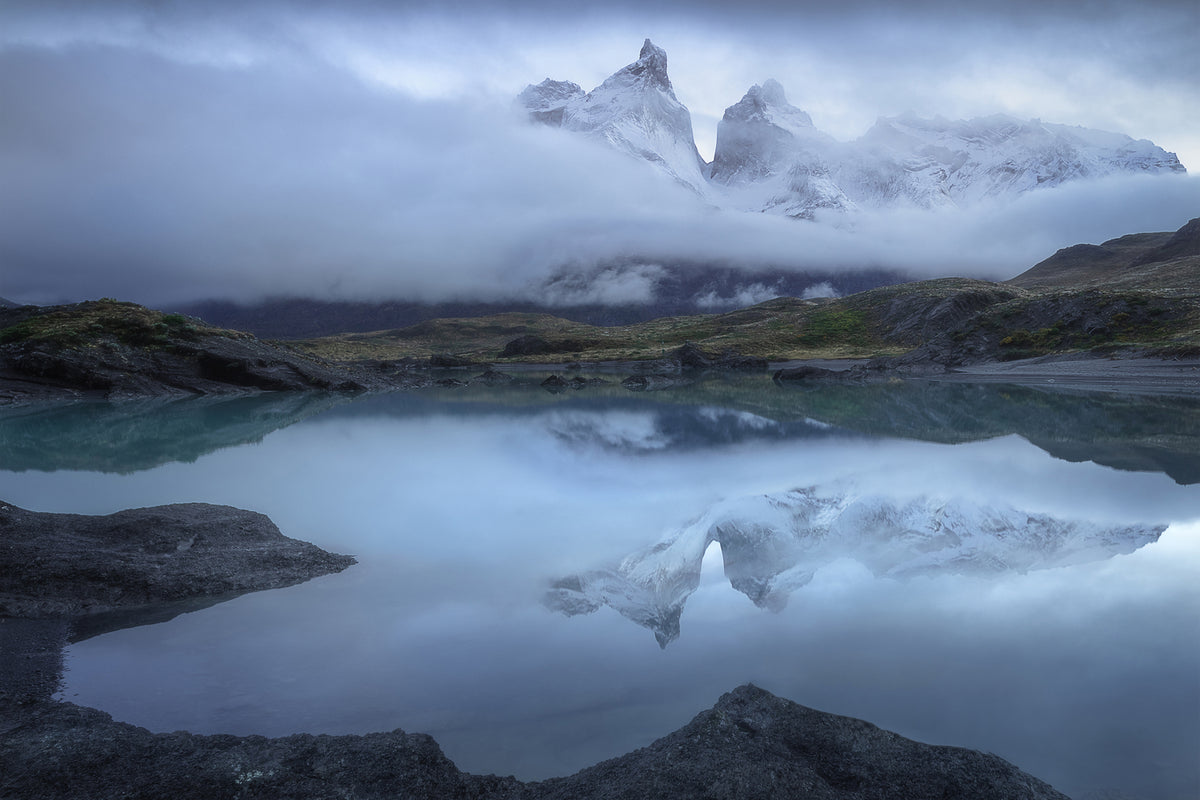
(94, 322)
(833, 327)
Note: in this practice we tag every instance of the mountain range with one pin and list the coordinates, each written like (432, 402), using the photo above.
(771, 158)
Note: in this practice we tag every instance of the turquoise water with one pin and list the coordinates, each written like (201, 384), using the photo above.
(465, 509)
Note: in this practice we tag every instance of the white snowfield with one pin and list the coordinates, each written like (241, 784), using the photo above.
(769, 156)
(773, 545)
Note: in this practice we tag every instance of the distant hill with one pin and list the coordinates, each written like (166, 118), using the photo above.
(1147, 261)
(680, 289)
(1137, 293)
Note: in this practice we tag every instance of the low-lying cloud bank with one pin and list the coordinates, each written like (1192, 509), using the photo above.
(126, 174)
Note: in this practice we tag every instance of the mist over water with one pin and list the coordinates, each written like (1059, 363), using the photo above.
(463, 512)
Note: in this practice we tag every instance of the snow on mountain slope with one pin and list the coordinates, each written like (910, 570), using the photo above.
(996, 156)
(772, 546)
(771, 158)
(635, 110)
(547, 101)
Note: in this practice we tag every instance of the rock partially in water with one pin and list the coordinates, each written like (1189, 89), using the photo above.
(58, 565)
(653, 383)
(580, 382)
(493, 377)
(752, 744)
(807, 373)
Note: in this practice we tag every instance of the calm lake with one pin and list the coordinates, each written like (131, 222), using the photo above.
(545, 581)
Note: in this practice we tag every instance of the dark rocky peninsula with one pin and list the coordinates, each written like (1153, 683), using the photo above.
(71, 565)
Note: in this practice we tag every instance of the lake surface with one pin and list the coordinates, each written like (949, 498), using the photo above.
(545, 581)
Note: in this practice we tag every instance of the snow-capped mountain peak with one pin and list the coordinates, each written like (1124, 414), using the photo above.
(651, 67)
(546, 101)
(1000, 155)
(634, 110)
(770, 157)
(763, 135)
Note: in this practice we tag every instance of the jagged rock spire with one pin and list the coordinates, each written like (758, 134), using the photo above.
(772, 93)
(652, 62)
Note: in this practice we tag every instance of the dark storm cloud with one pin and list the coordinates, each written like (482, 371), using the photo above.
(163, 151)
(126, 174)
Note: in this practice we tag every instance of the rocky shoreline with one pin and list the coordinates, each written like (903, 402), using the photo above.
(121, 351)
(66, 577)
(751, 744)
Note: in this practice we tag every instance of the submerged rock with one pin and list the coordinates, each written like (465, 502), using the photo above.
(808, 373)
(653, 383)
(493, 377)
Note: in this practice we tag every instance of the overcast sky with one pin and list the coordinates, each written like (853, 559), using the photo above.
(166, 151)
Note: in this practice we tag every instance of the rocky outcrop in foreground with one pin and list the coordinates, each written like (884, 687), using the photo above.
(750, 745)
(71, 565)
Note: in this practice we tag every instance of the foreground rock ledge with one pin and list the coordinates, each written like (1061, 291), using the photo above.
(750, 745)
(71, 565)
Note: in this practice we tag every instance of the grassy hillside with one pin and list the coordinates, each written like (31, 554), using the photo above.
(1138, 290)
(968, 320)
(97, 321)
(1156, 262)
(781, 328)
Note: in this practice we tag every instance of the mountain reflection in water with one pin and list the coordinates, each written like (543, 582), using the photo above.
(772, 545)
(1060, 641)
